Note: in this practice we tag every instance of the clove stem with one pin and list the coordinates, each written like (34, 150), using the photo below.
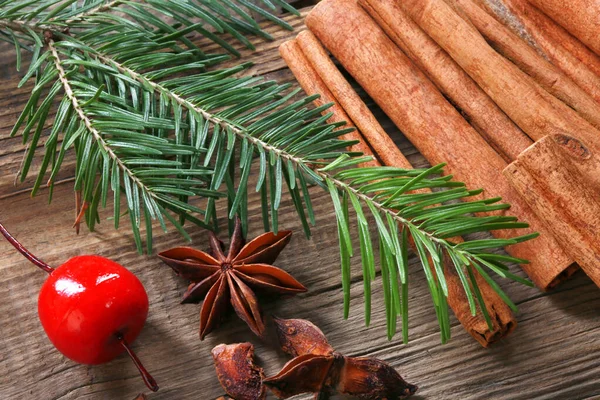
(148, 379)
(24, 251)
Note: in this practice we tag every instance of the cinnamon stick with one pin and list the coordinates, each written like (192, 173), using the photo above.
(485, 116)
(569, 42)
(536, 111)
(580, 17)
(548, 175)
(312, 83)
(350, 101)
(525, 57)
(431, 123)
(564, 50)
(503, 321)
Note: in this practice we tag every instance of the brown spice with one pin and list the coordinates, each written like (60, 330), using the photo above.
(485, 116)
(311, 82)
(358, 112)
(318, 369)
(503, 320)
(220, 278)
(237, 372)
(537, 112)
(527, 59)
(564, 50)
(553, 176)
(580, 17)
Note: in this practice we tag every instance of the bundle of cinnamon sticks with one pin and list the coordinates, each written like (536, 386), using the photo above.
(506, 92)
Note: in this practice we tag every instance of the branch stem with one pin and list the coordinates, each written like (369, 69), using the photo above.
(19, 26)
(88, 123)
(380, 207)
(17, 245)
(148, 379)
(239, 131)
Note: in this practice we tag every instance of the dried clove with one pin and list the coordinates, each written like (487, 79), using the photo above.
(238, 374)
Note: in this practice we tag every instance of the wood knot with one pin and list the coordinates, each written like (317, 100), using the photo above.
(575, 147)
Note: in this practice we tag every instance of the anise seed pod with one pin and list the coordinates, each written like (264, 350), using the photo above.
(370, 378)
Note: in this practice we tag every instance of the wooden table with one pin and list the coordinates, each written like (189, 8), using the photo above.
(554, 353)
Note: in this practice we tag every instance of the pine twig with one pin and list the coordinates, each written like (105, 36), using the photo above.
(138, 99)
(88, 123)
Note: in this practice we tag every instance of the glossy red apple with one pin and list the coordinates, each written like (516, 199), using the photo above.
(91, 308)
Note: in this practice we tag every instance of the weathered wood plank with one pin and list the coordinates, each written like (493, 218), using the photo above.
(552, 354)
(555, 338)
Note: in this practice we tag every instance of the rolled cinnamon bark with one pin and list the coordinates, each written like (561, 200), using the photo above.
(485, 116)
(536, 111)
(565, 51)
(503, 321)
(525, 57)
(431, 123)
(312, 83)
(384, 147)
(553, 173)
(580, 17)
(560, 35)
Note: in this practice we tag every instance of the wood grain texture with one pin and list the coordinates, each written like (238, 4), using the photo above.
(553, 354)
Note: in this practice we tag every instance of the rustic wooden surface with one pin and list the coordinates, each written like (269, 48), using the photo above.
(553, 354)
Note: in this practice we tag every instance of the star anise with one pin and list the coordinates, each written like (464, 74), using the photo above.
(318, 369)
(218, 278)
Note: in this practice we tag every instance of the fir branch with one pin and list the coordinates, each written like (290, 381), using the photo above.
(429, 223)
(211, 117)
(48, 25)
(147, 119)
(97, 136)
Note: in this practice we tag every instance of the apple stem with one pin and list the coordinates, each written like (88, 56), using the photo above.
(24, 251)
(148, 379)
